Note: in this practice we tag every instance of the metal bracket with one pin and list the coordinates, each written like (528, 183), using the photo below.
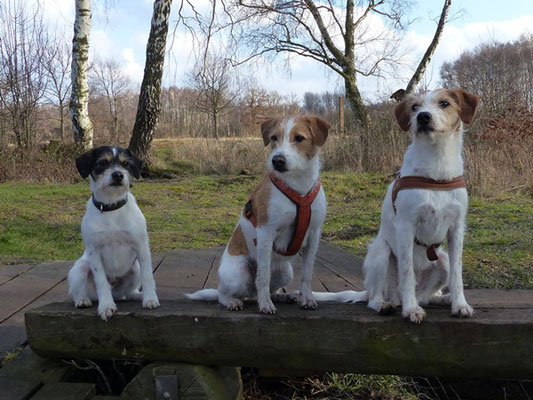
(166, 387)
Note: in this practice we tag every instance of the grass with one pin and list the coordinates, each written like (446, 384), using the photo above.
(42, 222)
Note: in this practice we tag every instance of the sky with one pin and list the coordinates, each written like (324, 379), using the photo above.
(120, 31)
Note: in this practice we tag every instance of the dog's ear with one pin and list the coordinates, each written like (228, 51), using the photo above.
(136, 166)
(266, 128)
(84, 163)
(467, 103)
(319, 130)
(402, 112)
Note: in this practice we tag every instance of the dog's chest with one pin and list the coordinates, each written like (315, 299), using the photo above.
(284, 213)
(436, 214)
(115, 236)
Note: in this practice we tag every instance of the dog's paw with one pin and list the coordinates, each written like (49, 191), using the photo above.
(235, 305)
(415, 314)
(462, 310)
(107, 311)
(308, 304)
(386, 309)
(84, 303)
(382, 307)
(267, 307)
(151, 303)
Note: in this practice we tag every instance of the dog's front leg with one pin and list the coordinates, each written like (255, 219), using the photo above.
(455, 249)
(265, 240)
(149, 295)
(405, 235)
(307, 300)
(106, 304)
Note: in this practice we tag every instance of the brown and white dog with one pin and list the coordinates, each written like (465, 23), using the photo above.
(425, 205)
(284, 213)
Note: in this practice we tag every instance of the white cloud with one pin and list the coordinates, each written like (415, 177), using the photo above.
(132, 68)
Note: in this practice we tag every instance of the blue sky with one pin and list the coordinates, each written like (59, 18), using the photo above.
(121, 31)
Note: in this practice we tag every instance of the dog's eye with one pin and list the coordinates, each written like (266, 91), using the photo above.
(444, 103)
(299, 138)
(415, 107)
(102, 163)
(125, 163)
(274, 138)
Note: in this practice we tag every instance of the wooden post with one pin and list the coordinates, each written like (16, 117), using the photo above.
(341, 116)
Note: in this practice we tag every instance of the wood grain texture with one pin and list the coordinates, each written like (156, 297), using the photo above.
(350, 338)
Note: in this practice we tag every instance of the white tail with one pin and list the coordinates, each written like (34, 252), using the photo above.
(204, 294)
(348, 296)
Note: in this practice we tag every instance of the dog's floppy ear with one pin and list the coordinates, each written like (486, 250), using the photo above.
(402, 112)
(137, 165)
(467, 103)
(84, 163)
(319, 130)
(266, 128)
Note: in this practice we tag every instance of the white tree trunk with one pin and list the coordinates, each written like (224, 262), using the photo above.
(79, 100)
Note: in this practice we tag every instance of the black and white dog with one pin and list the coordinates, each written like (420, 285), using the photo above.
(117, 260)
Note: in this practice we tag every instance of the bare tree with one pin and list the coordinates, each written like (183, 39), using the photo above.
(57, 60)
(421, 69)
(109, 81)
(215, 82)
(149, 106)
(79, 99)
(23, 43)
(501, 73)
(337, 34)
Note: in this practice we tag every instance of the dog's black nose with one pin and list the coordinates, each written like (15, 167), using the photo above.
(423, 118)
(279, 162)
(117, 176)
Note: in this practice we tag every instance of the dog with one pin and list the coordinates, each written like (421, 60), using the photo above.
(284, 213)
(426, 204)
(117, 260)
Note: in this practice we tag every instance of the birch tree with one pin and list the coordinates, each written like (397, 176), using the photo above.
(149, 106)
(79, 100)
(422, 66)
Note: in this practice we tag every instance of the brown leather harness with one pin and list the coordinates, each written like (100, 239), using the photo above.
(419, 182)
(303, 213)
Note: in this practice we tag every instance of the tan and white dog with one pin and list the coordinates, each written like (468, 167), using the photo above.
(425, 205)
(284, 213)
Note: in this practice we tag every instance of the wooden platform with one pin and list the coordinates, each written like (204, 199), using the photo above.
(24, 287)
(495, 343)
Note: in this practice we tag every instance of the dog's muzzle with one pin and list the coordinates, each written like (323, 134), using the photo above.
(423, 120)
(279, 162)
(117, 177)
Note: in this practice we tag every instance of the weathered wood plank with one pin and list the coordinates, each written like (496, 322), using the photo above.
(351, 338)
(343, 264)
(9, 272)
(13, 331)
(18, 293)
(182, 271)
(17, 388)
(66, 391)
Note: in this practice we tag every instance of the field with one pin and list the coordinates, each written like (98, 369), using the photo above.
(42, 222)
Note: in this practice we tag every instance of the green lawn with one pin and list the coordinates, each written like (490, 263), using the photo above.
(41, 222)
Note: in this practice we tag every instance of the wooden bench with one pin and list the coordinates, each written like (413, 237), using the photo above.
(496, 343)
(202, 342)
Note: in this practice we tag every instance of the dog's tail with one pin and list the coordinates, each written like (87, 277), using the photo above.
(204, 294)
(348, 296)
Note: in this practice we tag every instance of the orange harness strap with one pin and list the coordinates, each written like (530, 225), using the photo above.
(303, 213)
(419, 182)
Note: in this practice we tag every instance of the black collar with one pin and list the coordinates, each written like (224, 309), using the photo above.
(103, 207)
